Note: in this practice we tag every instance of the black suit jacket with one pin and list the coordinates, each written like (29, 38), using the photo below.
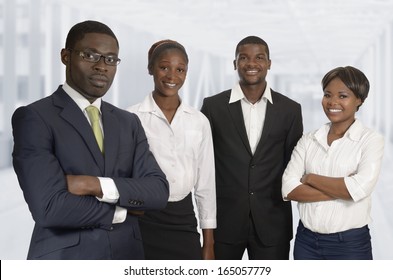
(250, 185)
(52, 138)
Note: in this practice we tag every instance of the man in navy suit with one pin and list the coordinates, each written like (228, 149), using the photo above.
(85, 199)
(254, 132)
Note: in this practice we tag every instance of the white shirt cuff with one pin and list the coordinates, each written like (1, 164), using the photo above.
(120, 215)
(208, 224)
(109, 190)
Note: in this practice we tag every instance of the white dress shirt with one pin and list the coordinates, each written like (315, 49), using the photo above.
(108, 186)
(357, 157)
(253, 114)
(184, 151)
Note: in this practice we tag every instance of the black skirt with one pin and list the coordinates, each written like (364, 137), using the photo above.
(171, 234)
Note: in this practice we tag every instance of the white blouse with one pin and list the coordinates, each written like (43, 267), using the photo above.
(357, 157)
(184, 151)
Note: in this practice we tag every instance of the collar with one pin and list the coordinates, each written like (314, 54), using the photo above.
(237, 94)
(354, 132)
(148, 105)
(79, 99)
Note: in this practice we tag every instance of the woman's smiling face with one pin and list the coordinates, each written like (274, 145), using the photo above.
(339, 103)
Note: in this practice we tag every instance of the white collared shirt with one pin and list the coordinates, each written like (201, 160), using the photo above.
(82, 102)
(184, 151)
(253, 114)
(108, 186)
(357, 157)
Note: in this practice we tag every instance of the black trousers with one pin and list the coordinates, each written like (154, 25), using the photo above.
(256, 250)
(171, 234)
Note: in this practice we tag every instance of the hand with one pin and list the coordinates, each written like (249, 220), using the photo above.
(208, 253)
(208, 244)
(304, 178)
(84, 185)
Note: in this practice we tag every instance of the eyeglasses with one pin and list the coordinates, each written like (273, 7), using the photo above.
(93, 57)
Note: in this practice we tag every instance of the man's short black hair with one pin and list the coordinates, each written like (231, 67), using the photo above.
(252, 40)
(79, 30)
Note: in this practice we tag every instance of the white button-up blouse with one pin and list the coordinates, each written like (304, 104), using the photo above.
(357, 157)
(184, 151)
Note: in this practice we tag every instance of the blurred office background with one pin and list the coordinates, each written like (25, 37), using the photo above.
(307, 38)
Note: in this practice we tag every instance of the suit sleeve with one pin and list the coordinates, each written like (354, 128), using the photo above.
(42, 179)
(294, 133)
(147, 187)
(204, 109)
(206, 112)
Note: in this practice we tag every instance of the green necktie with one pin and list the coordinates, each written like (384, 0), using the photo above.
(94, 116)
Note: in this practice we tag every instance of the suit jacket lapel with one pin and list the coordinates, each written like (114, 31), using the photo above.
(74, 116)
(235, 110)
(111, 137)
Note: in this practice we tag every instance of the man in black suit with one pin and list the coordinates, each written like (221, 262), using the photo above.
(84, 189)
(254, 132)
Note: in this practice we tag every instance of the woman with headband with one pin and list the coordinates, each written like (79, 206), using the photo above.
(180, 139)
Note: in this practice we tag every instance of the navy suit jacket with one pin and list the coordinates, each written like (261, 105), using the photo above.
(52, 138)
(250, 185)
